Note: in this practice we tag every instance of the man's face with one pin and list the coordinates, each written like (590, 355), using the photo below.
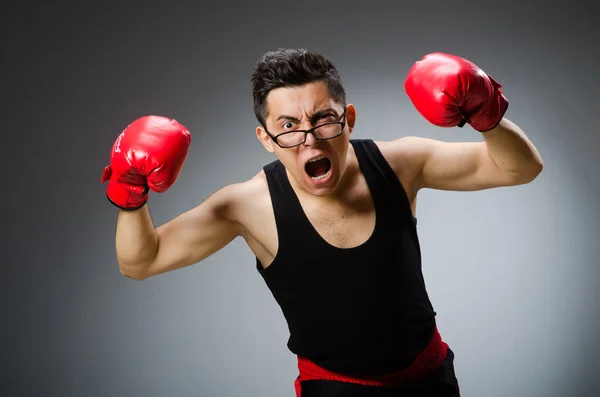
(302, 108)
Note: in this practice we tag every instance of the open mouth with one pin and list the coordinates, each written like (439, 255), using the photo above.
(318, 168)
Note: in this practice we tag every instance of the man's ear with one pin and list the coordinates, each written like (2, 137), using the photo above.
(350, 117)
(265, 139)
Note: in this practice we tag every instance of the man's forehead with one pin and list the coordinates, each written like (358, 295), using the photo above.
(299, 99)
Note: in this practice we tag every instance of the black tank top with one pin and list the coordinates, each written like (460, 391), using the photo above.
(362, 310)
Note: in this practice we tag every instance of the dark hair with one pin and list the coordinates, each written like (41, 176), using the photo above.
(292, 67)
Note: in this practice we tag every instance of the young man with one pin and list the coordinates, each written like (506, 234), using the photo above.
(332, 221)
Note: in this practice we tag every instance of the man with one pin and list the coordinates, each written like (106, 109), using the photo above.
(332, 222)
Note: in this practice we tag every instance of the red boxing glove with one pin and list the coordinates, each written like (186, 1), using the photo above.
(148, 155)
(450, 91)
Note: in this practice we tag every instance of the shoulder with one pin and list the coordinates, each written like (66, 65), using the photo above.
(230, 199)
(408, 151)
(244, 197)
(406, 156)
(243, 193)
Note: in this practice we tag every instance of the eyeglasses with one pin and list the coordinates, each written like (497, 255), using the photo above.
(321, 133)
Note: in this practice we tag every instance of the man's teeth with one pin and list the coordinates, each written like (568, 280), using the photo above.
(316, 159)
(316, 178)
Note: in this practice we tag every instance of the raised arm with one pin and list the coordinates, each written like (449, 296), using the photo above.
(451, 91)
(148, 156)
(505, 157)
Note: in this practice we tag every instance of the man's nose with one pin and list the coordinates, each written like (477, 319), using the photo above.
(310, 140)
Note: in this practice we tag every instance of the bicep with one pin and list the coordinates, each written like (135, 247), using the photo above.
(460, 166)
(196, 234)
(456, 166)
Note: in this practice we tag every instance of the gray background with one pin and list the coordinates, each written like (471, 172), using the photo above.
(513, 272)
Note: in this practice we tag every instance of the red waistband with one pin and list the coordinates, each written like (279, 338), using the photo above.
(426, 362)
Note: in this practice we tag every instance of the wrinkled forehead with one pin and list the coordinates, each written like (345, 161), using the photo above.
(299, 101)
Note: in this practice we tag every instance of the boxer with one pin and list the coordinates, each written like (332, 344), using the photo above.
(332, 221)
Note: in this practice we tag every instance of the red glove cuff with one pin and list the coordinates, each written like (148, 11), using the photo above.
(491, 116)
(124, 195)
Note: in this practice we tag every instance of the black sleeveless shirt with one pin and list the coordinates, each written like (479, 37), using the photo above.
(362, 310)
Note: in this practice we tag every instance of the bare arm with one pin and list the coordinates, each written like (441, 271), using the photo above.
(136, 241)
(144, 251)
(505, 157)
(513, 153)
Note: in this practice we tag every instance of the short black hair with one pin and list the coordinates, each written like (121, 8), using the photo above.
(292, 67)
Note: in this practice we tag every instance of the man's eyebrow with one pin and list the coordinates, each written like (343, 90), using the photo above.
(318, 114)
(322, 112)
(286, 117)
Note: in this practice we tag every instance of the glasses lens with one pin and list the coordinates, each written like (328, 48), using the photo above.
(297, 137)
(290, 138)
(328, 131)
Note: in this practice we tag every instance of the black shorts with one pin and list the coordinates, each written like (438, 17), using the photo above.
(442, 383)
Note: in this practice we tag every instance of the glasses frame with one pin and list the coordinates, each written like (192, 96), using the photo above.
(309, 131)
